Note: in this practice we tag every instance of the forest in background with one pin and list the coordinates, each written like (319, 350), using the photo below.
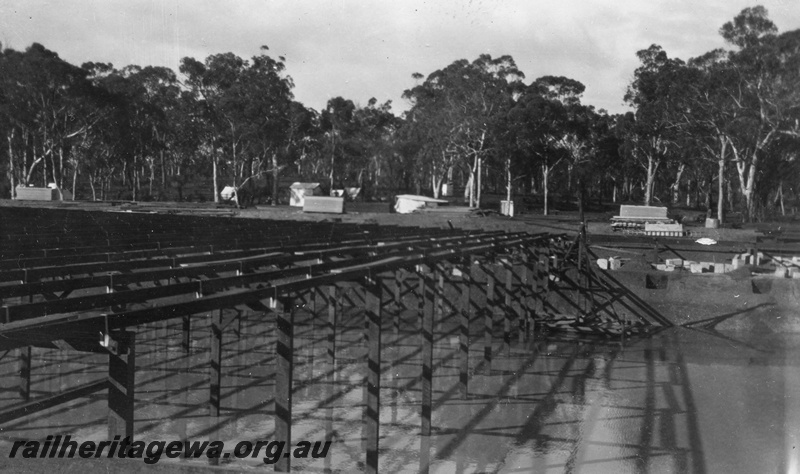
(719, 131)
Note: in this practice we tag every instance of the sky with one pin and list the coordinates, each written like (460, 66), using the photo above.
(360, 49)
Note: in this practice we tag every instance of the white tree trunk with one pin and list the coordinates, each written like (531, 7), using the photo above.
(652, 167)
(508, 179)
(721, 179)
(214, 177)
(545, 173)
(676, 186)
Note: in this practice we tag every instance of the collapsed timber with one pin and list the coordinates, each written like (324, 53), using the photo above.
(88, 281)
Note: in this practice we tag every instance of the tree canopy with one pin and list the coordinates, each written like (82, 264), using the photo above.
(723, 126)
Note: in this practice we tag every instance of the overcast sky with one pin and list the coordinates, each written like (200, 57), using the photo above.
(360, 49)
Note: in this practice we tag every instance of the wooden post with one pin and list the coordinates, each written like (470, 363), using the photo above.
(25, 362)
(215, 375)
(373, 402)
(466, 287)
(439, 296)
(430, 280)
(542, 278)
(488, 322)
(284, 378)
(121, 378)
(421, 295)
(398, 301)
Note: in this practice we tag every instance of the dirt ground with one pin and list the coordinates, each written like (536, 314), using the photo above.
(598, 223)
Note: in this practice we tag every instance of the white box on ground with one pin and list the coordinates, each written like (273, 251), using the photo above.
(324, 204)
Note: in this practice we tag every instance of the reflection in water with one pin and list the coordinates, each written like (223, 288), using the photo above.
(684, 400)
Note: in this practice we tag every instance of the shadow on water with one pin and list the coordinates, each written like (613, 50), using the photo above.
(685, 399)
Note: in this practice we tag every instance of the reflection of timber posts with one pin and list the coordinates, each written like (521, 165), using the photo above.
(25, 361)
(121, 376)
(186, 327)
(284, 312)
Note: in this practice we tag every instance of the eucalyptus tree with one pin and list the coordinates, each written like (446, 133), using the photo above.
(41, 105)
(246, 103)
(376, 129)
(549, 125)
(658, 93)
(766, 79)
(455, 110)
(338, 123)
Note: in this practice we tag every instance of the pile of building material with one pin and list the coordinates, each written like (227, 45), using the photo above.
(646, 220)
(300, 190)
(408, 203)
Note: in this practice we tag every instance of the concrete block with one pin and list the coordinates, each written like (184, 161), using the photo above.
(660, 227)
(736, 262)
(707, 266)
(719, 268)
(696, 268)
(329, 205)
(614, 263)
(669, 268)
(602, 263)
(643, 211)
(780, 272)
(676, 262)
(37, 194)
(796, 275)
(796, 260)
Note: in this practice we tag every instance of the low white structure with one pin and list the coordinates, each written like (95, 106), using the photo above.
(408, 203)
(300, 190)
(228, 193)
(324, 204)
(50, 193)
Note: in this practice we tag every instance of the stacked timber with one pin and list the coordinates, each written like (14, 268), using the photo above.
(634, 219)
(595, 326)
